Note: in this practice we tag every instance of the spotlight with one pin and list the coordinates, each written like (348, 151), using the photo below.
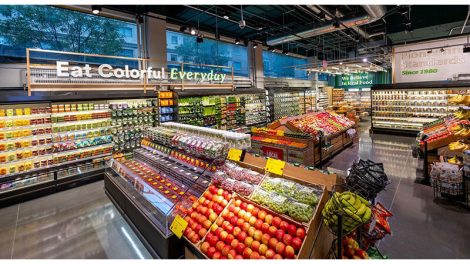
(255, 45)
(336, 24)
(237, 41)
(226, 17)
(340, 63)
(466, 48)
(193, 31)
(199, 38)
(183, 28)
(364, 60)
(95, 9)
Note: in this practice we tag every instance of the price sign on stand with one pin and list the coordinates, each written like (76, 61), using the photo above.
(275, 166)
(235, 154)
(178, 226)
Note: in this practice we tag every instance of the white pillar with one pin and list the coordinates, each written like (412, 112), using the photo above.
(155, 40)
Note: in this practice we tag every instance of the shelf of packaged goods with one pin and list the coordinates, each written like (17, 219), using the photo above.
(416, 129)
(101, 146)
(411, 113)
(404, 118)
(34, 116)
(155, 151)
(29, 185)
(78, 131)
(399, 123)
(5, 129)
(43, 136)
(8, 177)
(78, 140)
(79, 122)
(5, 152)
(81, 112)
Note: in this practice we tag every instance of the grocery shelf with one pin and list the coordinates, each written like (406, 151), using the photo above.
(38, 126)
(40, 157)
(42, 136)
(82, 130)
(102, 146)
(81, 112)
(34, 116)
(26, 148)
(79, 122)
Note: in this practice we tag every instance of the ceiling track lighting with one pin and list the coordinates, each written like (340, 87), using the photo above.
(255, 45)
(96, 9)
(193, 31)
(237, 41)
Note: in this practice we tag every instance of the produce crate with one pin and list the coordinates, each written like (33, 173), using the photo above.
(440, 143)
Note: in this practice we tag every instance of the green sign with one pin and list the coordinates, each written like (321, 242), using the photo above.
(361, 80)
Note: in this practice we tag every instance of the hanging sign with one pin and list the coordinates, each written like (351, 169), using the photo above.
(178, 226)
(275, 166)
(355, 80)
(430, 61)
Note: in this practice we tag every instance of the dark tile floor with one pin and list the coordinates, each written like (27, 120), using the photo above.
(83, 223)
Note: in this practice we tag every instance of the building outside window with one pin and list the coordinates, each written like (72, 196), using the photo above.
(283, 66)
(173, 57)
(209, 52)
(174, 40)
(44, 27)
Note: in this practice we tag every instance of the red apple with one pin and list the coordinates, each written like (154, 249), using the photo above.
(255, 245)
(231, 254)
(205, 246)
(262, 215)
(246, 226)
(220, 191)
(262, 257)
(265, 239)
(296, 243)
(270, 254)
(243, 205)
(247, 216)
(214, 227)
(231, 208)
(229, 228)
(225, 224)
(248, 241)
(236, 210)
(207, 224)
(251, 231)
(289, 252)
(187, 231)
(225, 250)
(210, 252)
(201, 200)
(234, 243)
(272, 230)
(217, 255)
(268, 219)
(250, 208)
(202, 219)
(239, 248)
(197, 228)
(204, 210)
(265, 227)
(255, 212)
(252, 220)
(238, 257)
(212, 217)
(279, 234)
(258, 224)
(234, 220)
(202, 232)
(236, 231)
(229, 239)
(218, 231)
(292, 230)
(287, 239)
(280, 247)
(240, 222)
(219, 245)
(254, 255)
(247, 252)
(284, 226)
(258, 235)
(277, 221)
(219, 221)
(230, 215)
(213, 189)
(300, 233)
(241, 236)
(277, 256)
(195, 238)
(208, 196)
(272, 242)
(207, 203)
(262, 249)
(213, 240)
(241, 213)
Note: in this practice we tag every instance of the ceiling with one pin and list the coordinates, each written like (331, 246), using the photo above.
(264, 22)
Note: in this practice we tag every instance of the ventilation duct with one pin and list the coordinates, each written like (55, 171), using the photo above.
(374, 13)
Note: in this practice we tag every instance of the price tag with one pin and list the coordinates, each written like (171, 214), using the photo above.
(280, 133)
(235, 154)
(275, 166)
(178, 226)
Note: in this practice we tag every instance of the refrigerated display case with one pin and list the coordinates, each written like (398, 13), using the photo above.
(405, 108)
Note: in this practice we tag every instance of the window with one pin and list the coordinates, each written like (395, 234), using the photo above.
(209, 52)
(173, 57)
(126, 32)
(127, 53)
(40, 26)
(174, 40)
(283, 66)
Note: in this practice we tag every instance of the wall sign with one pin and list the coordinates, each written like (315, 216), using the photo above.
(355, 80)
(430, 61)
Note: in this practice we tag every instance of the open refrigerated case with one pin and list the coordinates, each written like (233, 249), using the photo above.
(406, 107)
(165, 176)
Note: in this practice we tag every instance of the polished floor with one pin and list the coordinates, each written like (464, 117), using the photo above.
(83, 223)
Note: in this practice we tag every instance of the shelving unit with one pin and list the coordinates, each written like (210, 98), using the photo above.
(405, 108)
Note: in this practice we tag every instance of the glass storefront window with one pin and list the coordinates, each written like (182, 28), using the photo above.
(281, 66)
(184, 48)
(47, 27)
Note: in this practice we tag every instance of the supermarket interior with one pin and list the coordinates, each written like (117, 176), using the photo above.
(234, 132)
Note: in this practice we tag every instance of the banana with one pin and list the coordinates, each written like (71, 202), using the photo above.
(352, 201)
(345, 196)
(357, 204)
(367, 215)
(361, 210)
(352, 215)
(364, 201)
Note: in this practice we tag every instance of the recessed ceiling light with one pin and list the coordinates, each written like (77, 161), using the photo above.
(193, 31)
(95, 9)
